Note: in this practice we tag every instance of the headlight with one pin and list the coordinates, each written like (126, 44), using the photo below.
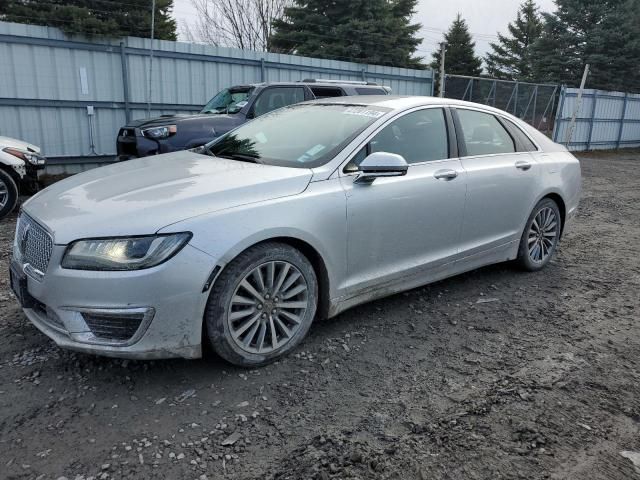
(134, 253)
(159, 132)
(32, 158)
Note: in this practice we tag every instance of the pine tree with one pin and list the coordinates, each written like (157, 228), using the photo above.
(366, 31)
(510, 57)
(604, 34)
(111, 18)
(460, 57)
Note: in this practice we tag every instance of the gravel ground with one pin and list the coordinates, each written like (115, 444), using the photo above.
(492, 374)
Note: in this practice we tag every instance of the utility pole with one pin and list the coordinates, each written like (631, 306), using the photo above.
(576, 109)
(443, 46)
(153, 25)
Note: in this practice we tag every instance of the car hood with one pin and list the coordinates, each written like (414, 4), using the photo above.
(177, 119)
(141, 196)
(14, 143)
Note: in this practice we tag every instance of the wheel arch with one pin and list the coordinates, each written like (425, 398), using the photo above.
(310, 251)
(12, 173)
(557, 198)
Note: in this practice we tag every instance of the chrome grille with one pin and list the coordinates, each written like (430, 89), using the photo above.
(34, 243)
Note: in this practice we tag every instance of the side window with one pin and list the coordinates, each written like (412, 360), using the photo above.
(277, 97)
(370, 91)
(524, 143)
(419, 136)
(483, 134)
(327, 92)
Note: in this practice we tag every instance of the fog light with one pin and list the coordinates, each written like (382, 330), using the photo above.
(117, 327)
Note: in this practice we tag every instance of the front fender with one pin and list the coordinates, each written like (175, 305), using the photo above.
(316, 217)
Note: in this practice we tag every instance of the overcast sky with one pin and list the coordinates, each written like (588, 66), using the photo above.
(485, 18)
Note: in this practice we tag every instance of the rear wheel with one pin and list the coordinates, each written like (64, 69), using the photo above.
(540, 237)
(262, 305)
(8, 194)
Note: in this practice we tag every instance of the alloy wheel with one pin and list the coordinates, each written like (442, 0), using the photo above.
(4, 194)
(267, 307)
(542, 235)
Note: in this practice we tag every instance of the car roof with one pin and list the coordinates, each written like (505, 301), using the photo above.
(400, 102)
(313, 84)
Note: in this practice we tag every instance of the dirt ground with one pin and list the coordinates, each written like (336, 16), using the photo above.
(490, 375)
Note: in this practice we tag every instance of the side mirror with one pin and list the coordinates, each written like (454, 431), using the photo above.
(381, 164)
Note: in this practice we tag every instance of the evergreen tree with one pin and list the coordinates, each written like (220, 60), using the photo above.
(510, 57)
(604, 34)
(111, 18)
(460, 57)
(366, 31)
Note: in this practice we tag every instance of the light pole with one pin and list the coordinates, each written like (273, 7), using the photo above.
(443, 47)
(153, 25)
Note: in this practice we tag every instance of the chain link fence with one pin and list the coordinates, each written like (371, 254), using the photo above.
(534, 103)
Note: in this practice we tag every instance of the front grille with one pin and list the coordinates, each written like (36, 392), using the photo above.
(113, 327)
(34, 243)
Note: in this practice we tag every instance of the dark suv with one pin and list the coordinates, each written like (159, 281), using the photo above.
(230, 108)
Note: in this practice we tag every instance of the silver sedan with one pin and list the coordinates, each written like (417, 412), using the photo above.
(295, 216)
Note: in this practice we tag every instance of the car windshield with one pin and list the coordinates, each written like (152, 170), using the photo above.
(229, 100)
(302, 136)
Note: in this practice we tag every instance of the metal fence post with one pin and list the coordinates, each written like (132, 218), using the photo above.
(262, 71)
(125, 82)
(495, 92)
(491, 90)
(515, 102)
(464, 95)
(591, 120)
(526, 110)
(553, 104)
(535, 105)
(556, 124)
(624, 114)
(363, 75)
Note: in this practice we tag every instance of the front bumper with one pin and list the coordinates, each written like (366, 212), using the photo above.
(169, 298)
(130, 144)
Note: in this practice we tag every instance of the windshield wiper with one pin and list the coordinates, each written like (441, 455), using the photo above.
(243, 157)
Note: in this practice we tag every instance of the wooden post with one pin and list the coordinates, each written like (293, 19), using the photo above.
(576, 109)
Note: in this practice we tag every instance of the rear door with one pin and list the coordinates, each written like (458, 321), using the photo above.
(502, 182)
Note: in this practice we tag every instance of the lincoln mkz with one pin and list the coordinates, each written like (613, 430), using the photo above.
(297, 215)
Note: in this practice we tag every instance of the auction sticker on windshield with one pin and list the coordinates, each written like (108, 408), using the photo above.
(365, 112)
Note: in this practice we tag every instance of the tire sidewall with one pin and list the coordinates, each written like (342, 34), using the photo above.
(523, 255)
(12, 190)
(217, 327)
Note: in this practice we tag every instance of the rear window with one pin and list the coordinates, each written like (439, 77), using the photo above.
(524, 143)
(370, 91)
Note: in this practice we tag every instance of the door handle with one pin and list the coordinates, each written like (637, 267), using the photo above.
(523, 165)
(445, 174)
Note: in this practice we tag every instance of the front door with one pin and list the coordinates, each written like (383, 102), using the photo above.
(405, 225)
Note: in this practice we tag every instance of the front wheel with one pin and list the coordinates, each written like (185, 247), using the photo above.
(8, 194)
(262, 305)
(540, 237)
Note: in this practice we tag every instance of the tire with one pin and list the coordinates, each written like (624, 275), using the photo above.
(251, 322)
(8, 194)
(540, 237)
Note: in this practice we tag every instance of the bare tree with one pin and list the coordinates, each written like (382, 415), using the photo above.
(244, 24)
